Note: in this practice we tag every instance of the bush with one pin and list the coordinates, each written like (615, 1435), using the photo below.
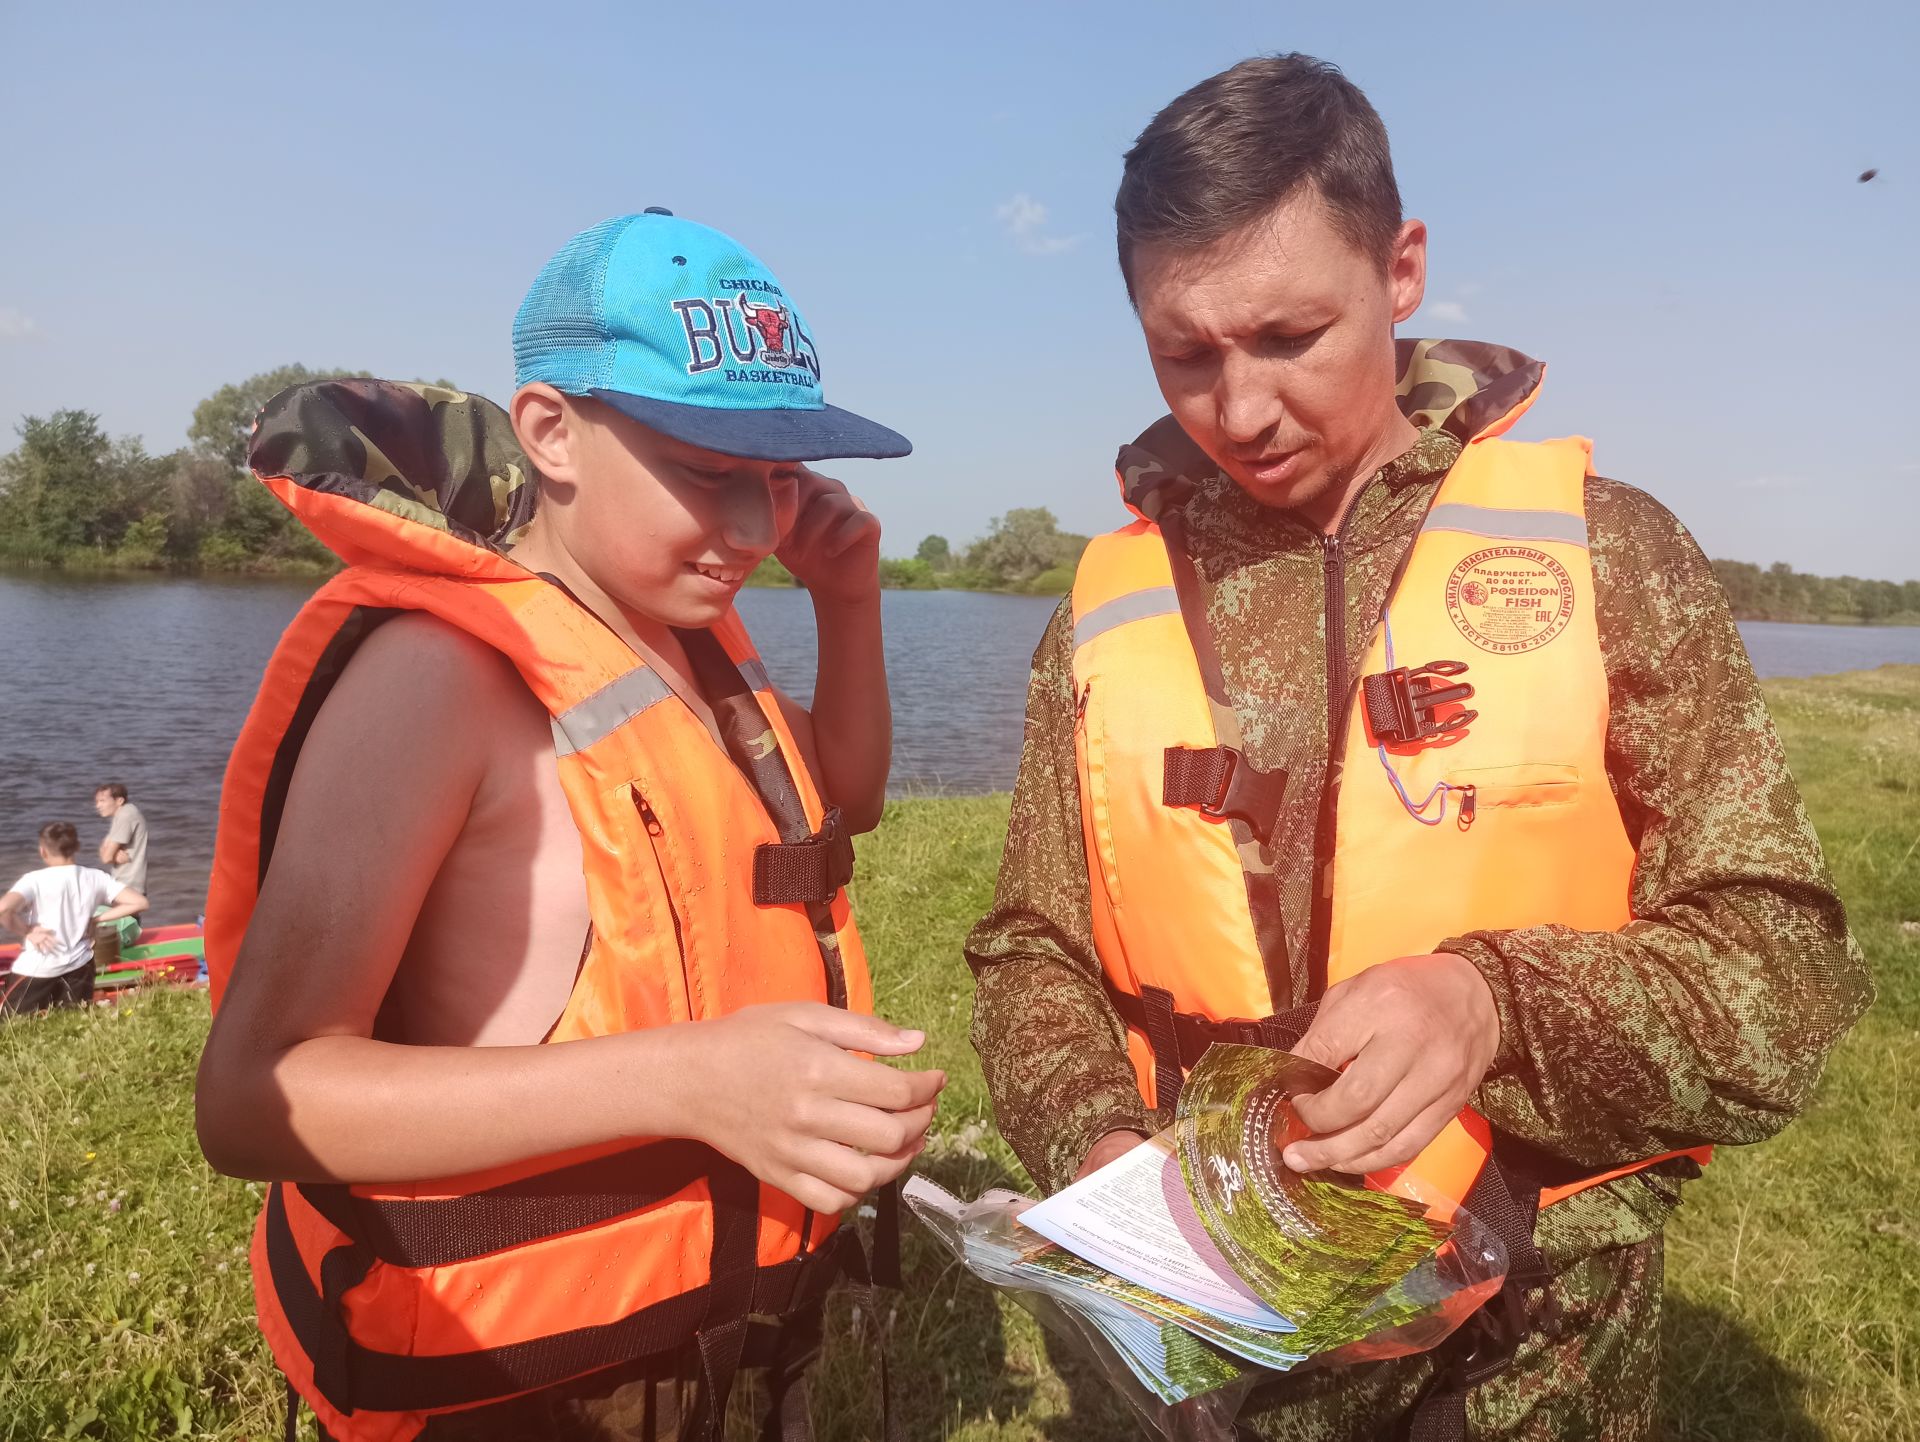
(1054, 582)
(222, 552)
(913, 575)
(144, 544)
(771, 573)
(972, 578)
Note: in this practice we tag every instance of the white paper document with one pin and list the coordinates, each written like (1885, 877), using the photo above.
(1135, 1218)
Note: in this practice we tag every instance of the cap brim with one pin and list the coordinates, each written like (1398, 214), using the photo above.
(828, 434)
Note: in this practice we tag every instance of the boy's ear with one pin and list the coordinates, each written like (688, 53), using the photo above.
(544, 424)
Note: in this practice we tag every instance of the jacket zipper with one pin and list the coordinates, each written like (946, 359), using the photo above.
(1339, 681)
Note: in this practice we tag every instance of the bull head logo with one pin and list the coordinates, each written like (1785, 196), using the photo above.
(770, 323)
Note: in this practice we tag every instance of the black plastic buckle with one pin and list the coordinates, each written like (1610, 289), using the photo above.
(1401, 703)
(1247, 794)
(837, 842)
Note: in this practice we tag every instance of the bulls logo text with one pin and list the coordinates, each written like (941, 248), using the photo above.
(752, 333)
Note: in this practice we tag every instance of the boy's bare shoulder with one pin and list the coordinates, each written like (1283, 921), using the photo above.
(408, 701)
(420, 661)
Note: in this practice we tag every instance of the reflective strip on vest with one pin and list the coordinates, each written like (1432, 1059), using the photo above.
(1500, 524)
(1159, 601)
(607, 710)
(755, 675)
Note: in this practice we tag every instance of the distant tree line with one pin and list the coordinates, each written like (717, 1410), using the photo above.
(1780, 593)
(1025, 550)
(70, 495)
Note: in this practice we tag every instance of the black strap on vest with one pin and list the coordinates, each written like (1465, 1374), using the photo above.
(1223, 783)
(1484, 1346)
(1179, 1038)
(351, 1376)
(437, 1233)
(717, 1319)
(813, 870)
(1504, 1198)
(722, 1336)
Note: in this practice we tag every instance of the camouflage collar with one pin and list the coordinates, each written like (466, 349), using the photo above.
(439, 458)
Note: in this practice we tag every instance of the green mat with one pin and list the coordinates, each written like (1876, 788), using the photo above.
(152, 950)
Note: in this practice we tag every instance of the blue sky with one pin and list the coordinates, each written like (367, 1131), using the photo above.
(1658, 200)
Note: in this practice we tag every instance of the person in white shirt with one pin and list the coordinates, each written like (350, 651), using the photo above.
(52, 909)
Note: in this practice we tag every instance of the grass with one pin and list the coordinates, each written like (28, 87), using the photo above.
(1794, 1269)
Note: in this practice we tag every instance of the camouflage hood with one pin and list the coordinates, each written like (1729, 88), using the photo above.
(435, 458)
(1463, 387)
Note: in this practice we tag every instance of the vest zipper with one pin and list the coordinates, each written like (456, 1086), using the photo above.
(654, 832)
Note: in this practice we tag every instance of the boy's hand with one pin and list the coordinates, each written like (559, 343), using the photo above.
(782, 1093)
(1420, 1033)
(40, 938)
(834, 547)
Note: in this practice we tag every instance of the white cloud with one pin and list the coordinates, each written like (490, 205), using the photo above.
(15, 325)
(1025, 220)
(1450, 311)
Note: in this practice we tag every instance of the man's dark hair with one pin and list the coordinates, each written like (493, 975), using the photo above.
(116, 789)
(61, 838)
(1241, 142)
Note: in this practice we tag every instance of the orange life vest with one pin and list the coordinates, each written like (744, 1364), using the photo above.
(1508, 820)
(387, 1304)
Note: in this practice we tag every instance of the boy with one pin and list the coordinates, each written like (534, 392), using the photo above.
(52, 909)
(543, 1140)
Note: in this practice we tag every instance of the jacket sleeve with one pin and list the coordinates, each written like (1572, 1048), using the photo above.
(1050, 1044)
(1709, 1016)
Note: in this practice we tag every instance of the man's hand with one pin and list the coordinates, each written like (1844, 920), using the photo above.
(782, 1093)
(41, 938)
(834, 547)
(1419, 1033)
(1109, 1148)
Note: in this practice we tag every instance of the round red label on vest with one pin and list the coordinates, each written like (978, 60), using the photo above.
(1508, 599)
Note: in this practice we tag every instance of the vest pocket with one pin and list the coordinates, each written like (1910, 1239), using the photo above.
(1533, 783)
(669, 897)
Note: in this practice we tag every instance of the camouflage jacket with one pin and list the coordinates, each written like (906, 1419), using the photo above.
(1707, 1019)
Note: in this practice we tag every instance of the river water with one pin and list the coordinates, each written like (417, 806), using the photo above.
(146, 680)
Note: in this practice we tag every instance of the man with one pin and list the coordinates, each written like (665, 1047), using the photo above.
(124, 848)
(50, 909)
(1592, 906)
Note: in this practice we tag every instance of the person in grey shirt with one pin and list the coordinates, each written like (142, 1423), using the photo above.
(125, 846)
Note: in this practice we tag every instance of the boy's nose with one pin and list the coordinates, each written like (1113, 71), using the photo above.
(750, 523)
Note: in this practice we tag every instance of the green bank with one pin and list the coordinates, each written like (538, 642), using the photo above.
(1794, 1267)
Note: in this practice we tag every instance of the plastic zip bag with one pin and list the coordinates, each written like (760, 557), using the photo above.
(1333, 1272)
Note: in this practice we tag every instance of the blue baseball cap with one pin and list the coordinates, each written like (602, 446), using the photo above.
(683, 329)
